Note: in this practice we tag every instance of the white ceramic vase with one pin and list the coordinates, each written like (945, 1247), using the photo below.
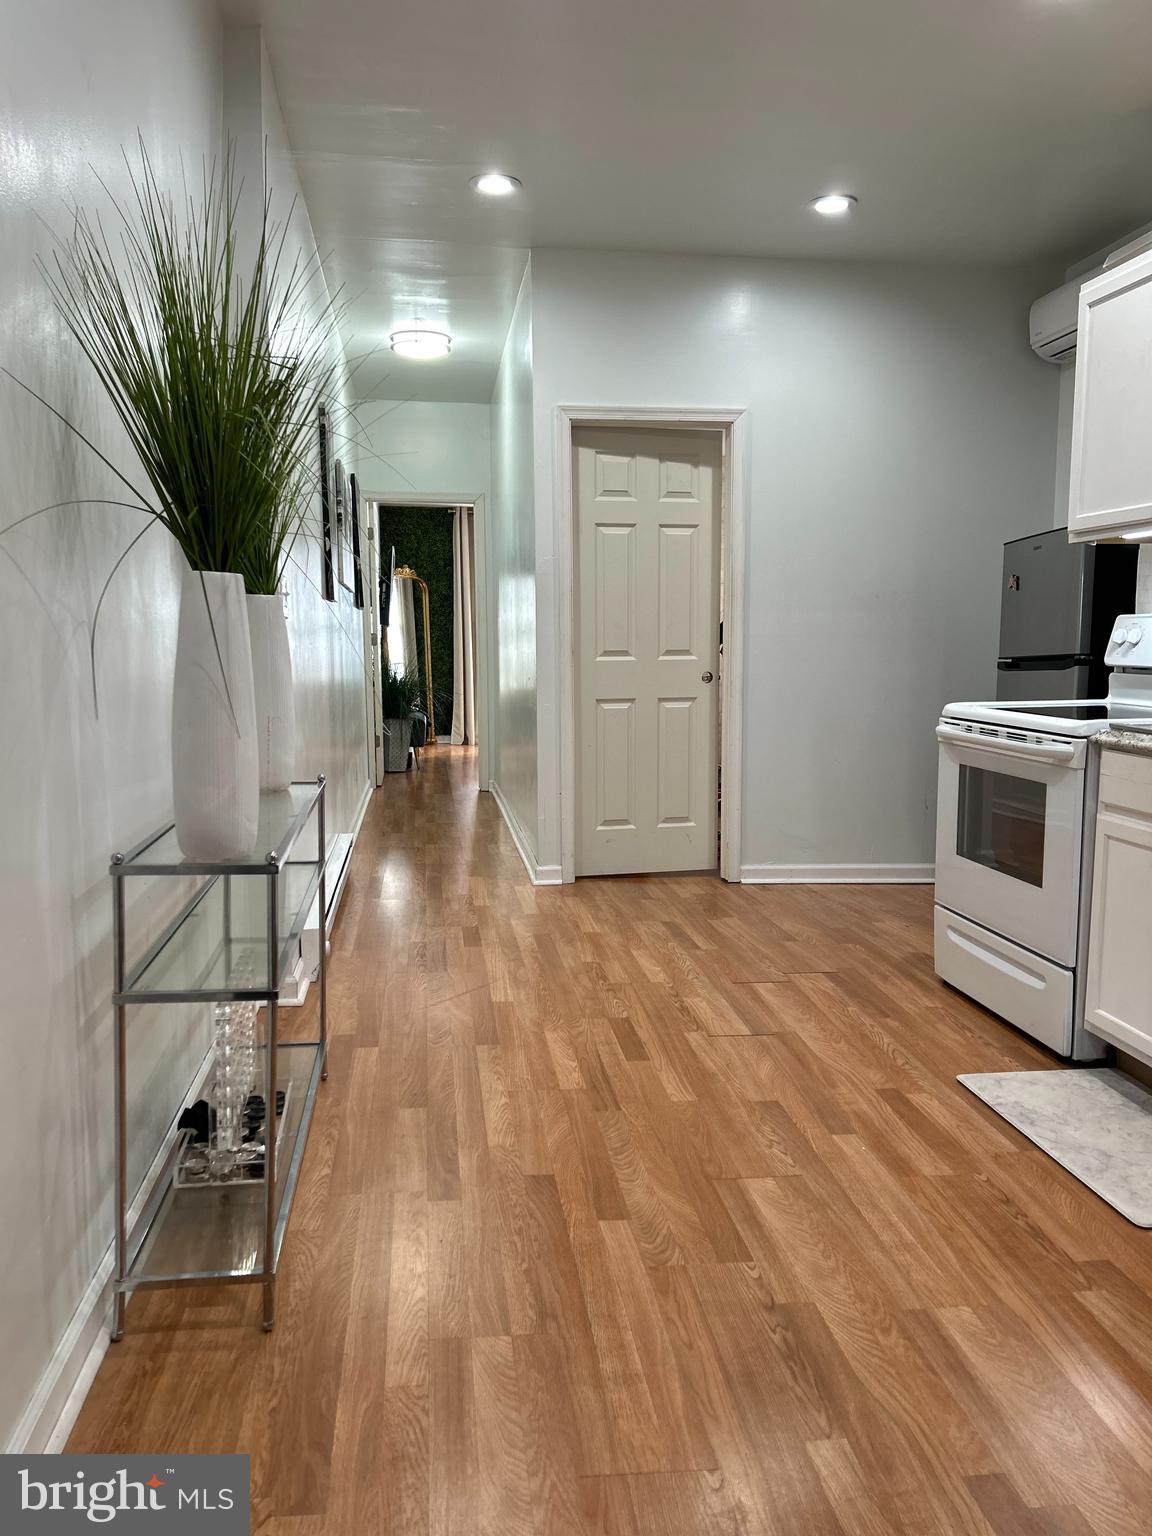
(272, 681)
(215, 768)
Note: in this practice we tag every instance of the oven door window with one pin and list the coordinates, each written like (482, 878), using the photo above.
(1000, 823)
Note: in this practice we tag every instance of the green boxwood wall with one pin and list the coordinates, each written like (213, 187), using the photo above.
(423, 540)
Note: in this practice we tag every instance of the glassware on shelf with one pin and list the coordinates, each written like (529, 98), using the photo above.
(233, 1079)
(233, 1082)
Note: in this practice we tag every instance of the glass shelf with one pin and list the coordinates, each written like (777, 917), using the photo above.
(187, 931)
(189, 1234)
(283, 815)
(218, 949)
(219, 943)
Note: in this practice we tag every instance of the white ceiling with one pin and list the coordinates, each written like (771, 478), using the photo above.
(970, 130)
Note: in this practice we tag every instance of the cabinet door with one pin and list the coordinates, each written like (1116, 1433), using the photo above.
(1111, 477)
(1118, 1005)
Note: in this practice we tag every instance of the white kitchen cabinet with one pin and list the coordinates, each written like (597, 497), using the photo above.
(1110, 489)
(1118, 1004)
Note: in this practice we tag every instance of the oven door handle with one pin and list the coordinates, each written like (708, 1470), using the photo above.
(1034, 752)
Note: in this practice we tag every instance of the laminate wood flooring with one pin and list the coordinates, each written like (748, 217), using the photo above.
(652, 1207)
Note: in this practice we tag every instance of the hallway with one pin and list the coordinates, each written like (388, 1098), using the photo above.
(652, 1206)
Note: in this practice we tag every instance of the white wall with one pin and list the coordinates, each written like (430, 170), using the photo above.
(73, 787)
(327, 639)
(1066, 393)
(900, 430)
(512, 579)
(76, 82)
(428, 447)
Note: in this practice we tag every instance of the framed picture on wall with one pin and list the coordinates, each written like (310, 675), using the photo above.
(344, 551)
(354, 523)
(327, 527)
(387, 582)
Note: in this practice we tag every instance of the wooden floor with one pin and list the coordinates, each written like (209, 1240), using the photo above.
(653, 1206)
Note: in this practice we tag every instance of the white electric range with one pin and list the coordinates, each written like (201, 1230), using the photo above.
(1014, 841)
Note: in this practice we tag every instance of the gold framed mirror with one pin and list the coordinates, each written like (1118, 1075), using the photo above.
(406, 573)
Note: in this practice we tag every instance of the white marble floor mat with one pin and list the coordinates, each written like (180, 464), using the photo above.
(1097, 1123)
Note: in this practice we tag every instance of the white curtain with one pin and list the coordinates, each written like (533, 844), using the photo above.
(463, 631)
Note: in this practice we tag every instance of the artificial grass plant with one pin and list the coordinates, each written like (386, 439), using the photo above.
(214, 366)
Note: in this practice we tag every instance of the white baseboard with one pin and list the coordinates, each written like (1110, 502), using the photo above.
(51, 1412)
(340, 852)
(307, 967)
(54, 1406)
(295, 989)
(365, 802)
(539, 874)
(70, 1412)
(837, 874)
(48, 1418)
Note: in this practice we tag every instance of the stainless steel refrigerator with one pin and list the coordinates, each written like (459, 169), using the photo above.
(1058, 605)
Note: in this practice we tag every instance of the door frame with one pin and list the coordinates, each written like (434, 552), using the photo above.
(370, 627)
(732, 425)
(478, 504)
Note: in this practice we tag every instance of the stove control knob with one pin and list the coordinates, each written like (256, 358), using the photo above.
(1120, 636)
(1135, 634)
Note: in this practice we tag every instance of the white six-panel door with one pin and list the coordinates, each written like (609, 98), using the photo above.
(647, 649)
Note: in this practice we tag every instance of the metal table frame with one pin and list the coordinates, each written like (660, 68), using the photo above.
(127, 992)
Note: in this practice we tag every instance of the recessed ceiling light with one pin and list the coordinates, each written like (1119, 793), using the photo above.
(833, 205)
(495, 184)
(421, 343)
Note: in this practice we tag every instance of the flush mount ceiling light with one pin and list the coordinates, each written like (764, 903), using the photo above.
(495, 184)
(833, 205)
(421, 343)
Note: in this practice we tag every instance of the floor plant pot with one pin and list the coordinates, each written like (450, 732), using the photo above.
(272, 683)
(397, 742)
(215, 764)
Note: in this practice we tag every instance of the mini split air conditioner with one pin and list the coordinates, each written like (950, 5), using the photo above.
(1052, 320)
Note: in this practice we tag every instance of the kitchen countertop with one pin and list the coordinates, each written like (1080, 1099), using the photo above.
(1125, 741)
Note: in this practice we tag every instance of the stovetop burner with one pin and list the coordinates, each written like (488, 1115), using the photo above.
(1056, 717)
(1128, 703)
(1115, 710)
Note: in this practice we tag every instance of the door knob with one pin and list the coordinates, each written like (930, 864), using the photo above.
(705, 677)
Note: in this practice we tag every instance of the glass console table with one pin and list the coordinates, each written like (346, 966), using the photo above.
(221, 936)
